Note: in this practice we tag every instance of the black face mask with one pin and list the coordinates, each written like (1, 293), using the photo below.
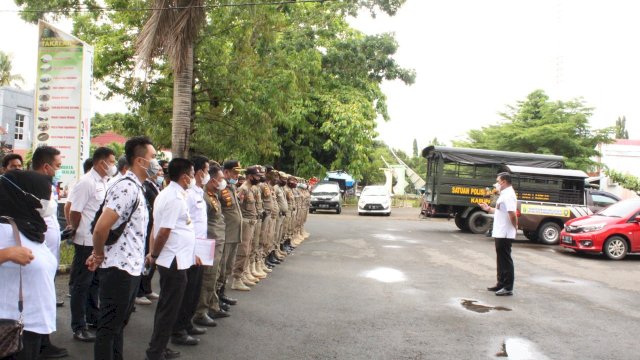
(263, 179)
(254, 181)
(293, 185)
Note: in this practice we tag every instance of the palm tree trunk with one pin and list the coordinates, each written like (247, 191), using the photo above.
(182, 84)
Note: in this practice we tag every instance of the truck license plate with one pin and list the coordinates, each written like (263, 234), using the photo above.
(567, 239)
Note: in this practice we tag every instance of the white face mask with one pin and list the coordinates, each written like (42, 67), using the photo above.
(113, 170)
(497, 186)
(192, 184)
(222, 184)
(206, 179)
(49, 208)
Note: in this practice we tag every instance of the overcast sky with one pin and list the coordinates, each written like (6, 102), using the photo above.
(472, 58)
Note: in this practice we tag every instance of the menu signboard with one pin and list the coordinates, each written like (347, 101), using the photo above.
(62, 101)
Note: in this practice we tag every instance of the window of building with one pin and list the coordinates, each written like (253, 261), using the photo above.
(19, 128)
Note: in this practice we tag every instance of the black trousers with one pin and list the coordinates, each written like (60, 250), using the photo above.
(31, 343)
(145, 281)
(84, 290)
(504, 262)
(189, 301)
(173, 283)
(118, 290)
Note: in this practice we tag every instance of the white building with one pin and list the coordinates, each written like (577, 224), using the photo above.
(622, 156)
(16, 118)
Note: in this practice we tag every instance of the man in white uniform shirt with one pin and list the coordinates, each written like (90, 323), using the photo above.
(120, 263)
(172, 249)
(184, 328)
(47, 160)
(505, 224)
(85, 199)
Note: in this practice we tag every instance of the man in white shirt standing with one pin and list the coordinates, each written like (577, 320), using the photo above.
(120, 256)
(47, 160)
(505, 224)
(183, 327)
(172, 249)
(85, 198)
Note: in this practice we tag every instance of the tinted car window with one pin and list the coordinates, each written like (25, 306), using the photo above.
(603, 200)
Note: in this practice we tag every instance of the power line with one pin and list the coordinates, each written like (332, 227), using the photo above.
(105, 9)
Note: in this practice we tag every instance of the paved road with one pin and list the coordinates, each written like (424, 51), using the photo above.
(402, 288)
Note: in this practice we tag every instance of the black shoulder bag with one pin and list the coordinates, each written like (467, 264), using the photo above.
(114, 234)
(10, 329)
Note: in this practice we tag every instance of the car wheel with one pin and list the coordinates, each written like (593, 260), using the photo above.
(312, 210)
(461, 223)
(338, 210)
(360, 214)
(388, 214)
(478, 222)
(549, 233)
(615, 248)
(531, 235)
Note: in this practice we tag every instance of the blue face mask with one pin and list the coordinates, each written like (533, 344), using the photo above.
(233, 181)
(160, 180)
(57, 177)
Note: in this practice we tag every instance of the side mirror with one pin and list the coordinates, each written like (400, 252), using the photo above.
(637, 218)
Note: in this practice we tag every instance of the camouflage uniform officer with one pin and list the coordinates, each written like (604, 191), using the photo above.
(247, 201)
(291, 199)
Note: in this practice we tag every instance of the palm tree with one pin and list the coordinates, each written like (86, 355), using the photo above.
(6, 77)
(171, 30)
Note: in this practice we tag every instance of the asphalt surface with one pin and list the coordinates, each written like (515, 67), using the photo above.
(398, 287)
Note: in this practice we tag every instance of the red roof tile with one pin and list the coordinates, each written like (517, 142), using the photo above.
(108, 138)
(627, 142)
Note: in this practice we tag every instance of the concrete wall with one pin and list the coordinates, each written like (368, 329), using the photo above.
(12, 102)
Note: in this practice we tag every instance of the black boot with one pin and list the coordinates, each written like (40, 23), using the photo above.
(273, 259)
(224, 298)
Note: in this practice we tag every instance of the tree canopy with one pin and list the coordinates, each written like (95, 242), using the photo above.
(539, 125)
(292, 85)
(7, 77)
(621, 128)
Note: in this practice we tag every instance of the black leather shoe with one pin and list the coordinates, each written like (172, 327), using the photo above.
(204, 321)
(184, 340)
(84, 335)
(196, 331)
(171, 354)
(494, 288)
(228, 300)
(59, 303)
(218, 314)
(51, 351)
(224, 306)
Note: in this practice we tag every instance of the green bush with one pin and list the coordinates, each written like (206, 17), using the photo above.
(66, 254)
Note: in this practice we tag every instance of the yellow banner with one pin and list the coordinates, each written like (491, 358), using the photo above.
(530, 209)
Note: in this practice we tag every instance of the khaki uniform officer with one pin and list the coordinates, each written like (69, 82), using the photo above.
(232, 221)
(247, 201)
(279, 189)
(254, 266)
(209, 300)
(266, 193)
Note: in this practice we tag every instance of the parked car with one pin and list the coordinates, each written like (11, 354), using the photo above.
(614, 231)
(326, 196)
(374, 199)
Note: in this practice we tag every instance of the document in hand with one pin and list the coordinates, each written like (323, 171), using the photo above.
(205, 248)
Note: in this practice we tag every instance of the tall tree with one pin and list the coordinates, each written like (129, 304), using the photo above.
(539, 125)
(621, 128)
(172, 30)
(7, 77)
(416, 151)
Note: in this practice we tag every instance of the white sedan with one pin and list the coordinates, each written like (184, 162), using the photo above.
(374, 199)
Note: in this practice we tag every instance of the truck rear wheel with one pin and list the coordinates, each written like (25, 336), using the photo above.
(478, 223)
(549, 233)
(461, 223)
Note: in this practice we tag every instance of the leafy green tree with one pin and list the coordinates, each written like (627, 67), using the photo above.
(124, 124)
(621, 128)
(416, 151)
(290, 84)
(7, 77)
(539, 125)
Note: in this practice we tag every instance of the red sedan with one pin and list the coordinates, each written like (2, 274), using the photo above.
(614, 231)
